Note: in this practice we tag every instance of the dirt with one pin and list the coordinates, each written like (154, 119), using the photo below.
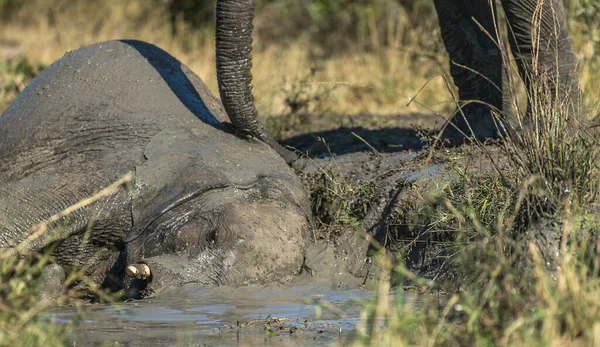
(371, 190)
(318, 308)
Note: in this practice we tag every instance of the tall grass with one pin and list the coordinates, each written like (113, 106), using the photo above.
(387, 65)
(391, 53)
(20, 322)
(504, 300)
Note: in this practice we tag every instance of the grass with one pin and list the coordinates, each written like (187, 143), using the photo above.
(20, 322)
(24, 289)
(388, 66)
(15, 74)
(360, 81)
(503, 300)
(524, 261)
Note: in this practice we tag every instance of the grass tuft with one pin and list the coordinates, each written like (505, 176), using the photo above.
(20, 321)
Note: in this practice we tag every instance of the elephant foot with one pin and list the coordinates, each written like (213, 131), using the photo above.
(472, 123)
(52, 282)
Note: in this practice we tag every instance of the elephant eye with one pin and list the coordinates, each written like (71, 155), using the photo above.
(211, 238)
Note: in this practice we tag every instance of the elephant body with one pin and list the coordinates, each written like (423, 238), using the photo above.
(206, 206)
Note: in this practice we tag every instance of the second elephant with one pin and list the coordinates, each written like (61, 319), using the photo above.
(540, 43)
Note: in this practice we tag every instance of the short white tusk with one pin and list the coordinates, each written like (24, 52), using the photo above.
(139, 271)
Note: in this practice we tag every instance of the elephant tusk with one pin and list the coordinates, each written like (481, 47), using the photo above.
(139, 271)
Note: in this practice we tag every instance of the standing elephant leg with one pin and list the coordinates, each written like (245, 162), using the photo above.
(539, 39)
(469, 34)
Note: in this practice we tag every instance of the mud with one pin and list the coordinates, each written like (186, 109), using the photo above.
(374, 193)
(323, 305)
(368, 194)
(319, 308)
(225, 316)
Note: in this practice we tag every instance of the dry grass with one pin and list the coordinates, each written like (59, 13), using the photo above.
(529, 275)
(380, 80)
(507, 307)
(21, 298)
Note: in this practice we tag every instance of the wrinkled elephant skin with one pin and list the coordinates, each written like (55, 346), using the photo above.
(206, 206)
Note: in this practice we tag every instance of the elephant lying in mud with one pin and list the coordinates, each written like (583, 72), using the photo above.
(206, 206)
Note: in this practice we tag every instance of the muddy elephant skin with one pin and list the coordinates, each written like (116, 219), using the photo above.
(206, 207)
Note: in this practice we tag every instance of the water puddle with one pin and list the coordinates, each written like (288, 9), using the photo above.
(225, 317)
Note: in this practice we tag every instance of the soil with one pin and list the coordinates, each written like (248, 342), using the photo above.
(371, 188)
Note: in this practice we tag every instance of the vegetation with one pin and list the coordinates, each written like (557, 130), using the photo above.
(526, 241)
(28, 286)
(343, 57)
(20, 322)
(366, 56)
(524, 261)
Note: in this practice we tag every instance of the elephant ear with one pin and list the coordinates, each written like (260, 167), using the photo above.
(173, 174)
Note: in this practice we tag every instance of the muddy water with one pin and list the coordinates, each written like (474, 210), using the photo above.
(301, 315)
(322, 308)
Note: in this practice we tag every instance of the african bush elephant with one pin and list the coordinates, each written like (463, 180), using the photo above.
(539, 40)
(206, 206)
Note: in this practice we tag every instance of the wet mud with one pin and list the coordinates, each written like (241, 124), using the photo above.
(368, 193)
(306, 313)
(375, 192)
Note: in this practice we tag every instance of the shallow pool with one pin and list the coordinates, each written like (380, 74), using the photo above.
(301, 315)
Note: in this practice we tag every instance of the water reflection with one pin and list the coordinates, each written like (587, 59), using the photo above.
(216, 316)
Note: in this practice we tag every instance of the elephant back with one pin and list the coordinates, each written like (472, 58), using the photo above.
(101, 104)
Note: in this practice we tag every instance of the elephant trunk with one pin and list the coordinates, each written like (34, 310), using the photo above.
(234, 60)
